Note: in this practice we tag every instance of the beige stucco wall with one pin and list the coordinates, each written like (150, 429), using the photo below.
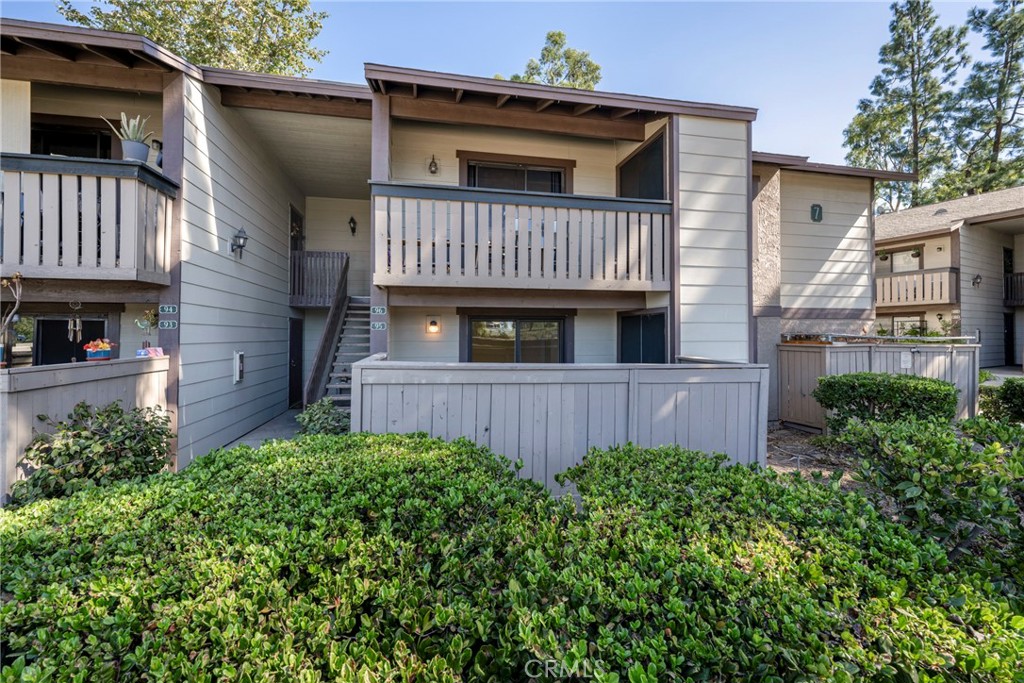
(414, 143)
(15, 116)
(767, 257)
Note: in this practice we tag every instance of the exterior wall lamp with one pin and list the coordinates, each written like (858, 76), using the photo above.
(432, 166)
(433, 324)
(239, 241)
(352, 225)
(976, 281)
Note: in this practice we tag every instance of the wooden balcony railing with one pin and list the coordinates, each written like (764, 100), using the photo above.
(427, 235)
(95, 219)
(315, 276)
(918, 287)
(1013, 290)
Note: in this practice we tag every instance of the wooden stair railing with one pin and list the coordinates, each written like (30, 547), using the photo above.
(316, 385)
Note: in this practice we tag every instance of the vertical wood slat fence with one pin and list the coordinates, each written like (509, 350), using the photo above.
(314, 277)
(800, 366)
(438, 236)
(84, 219)
(55, 389)
(1013, 290)
(938, 286)
(551, 415)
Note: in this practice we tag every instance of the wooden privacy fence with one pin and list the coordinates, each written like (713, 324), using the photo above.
(437, 236)
(549, 415)
(800, 366)
(85, 219)
(55, 389)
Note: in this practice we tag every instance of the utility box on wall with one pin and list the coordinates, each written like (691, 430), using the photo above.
(239, 366)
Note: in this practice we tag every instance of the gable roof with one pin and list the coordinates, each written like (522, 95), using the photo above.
(790, 162)
(950, 215)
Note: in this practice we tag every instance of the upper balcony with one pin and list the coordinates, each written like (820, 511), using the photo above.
(436, 236)
(917, 288)
(86, 219)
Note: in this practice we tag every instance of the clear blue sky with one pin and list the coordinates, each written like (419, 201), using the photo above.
(804, 65)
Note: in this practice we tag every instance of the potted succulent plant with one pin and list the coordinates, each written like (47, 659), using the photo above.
(98, 349)
(133, 136)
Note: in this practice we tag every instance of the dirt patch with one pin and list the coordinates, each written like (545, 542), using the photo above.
(790, 450)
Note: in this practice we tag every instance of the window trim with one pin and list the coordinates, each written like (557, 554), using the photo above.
(466, 157)
(566, 317)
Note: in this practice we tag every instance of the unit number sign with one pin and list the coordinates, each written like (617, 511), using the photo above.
(378, 326)
(378, 310)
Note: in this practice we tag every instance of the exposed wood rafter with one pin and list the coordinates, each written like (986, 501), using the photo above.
(289, 102)
(502, 99)
(581, 109)
(544, 104)
(8, 47)
(458, 95)
(622, 113)
(415, 90)
(59, 50)
(119, 58)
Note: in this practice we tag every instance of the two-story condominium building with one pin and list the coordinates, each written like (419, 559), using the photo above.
(434, 218)
(955, 267)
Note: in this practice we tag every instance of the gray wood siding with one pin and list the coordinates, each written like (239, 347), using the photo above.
(714, 259)
(826, 264)
(55, 389)
(981, 308)
(800, 366)
(229, 303)
(550, 415)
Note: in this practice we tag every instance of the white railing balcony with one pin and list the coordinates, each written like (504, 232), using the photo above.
(918, 287)
(428, 235)
(87, 219)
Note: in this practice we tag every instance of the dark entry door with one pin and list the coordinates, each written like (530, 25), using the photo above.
(642, 338)
(53, 347)
(294, 362)
(1009, 341)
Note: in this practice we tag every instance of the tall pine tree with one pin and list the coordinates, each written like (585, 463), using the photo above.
(989, 116)
(910, 101)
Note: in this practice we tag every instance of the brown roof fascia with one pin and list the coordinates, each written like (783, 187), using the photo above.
(798, 163)
(75, 35)
(912, 236)
(378, 74)
(288, 84)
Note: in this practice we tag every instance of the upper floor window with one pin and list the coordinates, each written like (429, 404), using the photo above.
(70, 136)
(517, 173)
(902, 260)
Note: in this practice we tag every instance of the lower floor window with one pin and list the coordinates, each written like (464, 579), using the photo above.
(516, 340)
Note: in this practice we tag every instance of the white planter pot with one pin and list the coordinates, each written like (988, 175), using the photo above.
(134, 151)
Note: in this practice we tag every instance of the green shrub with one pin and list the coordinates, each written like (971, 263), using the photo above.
(323, 417)
(942, 485)
(879, 396)
(93, 447)
(989, 404)
(1011, 399)
(393, 558)
(985, 376)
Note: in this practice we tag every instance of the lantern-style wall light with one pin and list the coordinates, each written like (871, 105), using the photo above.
(433, 324)
(432, 166)
(976, 281)
(239, 241)
(352, 225)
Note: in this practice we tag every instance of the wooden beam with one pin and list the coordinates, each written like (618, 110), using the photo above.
(89, 291)
(581, 109)
(422, 110)
(41, 70)
(143, 57)
(458, 95)
(58, 50)
(415, 90)
(622, 112)
(297, 105)
(119, 58)
(544, 104)
(383, 87)
(502, 99)
(8, 46)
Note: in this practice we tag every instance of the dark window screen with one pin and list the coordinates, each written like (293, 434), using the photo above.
(643, 176)
(518, 178)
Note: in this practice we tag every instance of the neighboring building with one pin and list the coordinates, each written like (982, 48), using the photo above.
(956, 267)
(482, 219)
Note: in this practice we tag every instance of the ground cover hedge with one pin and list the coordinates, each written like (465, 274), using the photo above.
(884, 397)
(404, 558)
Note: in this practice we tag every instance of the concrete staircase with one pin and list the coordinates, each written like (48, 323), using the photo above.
(353, 345)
